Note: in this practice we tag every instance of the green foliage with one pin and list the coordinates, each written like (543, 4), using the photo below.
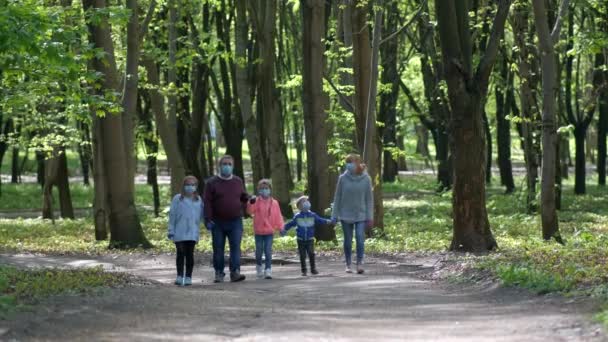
(20, 287)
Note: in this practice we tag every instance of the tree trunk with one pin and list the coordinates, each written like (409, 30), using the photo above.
(486, 129)
(602, 127)
(5, 130)
(547, 41)
(528, 82)
(125, 227)
(40, 168)
(579, 166)
(373, 146)
(314, 103)
(503, 128)
(264, 23)
(168, 137)
(466, 90)
(15, 166)
(101, 209)
(151, 147)
(84, 152)
(388, 100)
(243, 89)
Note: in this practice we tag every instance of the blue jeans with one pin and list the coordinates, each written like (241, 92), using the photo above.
(233, 230)
(263, 245)
(359, 228)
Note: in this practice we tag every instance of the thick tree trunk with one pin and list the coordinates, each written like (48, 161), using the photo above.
(315, 102)
(547, 41)
(466, 89)
(265, 25)
(125, 227)
(167, 136)
(373, 146)
(101, 209)
(388, 100)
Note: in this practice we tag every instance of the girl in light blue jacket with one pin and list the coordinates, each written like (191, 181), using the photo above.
(184, 220)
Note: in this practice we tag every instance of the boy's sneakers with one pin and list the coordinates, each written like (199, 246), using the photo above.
(349, 270)
(260, 271)
(314, 272)
(236, 277)
(187, 281)
(219, 278)
(268, 273)
(360, 269)
(179, 280)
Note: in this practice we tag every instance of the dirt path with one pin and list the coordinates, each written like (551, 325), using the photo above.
(387, 303)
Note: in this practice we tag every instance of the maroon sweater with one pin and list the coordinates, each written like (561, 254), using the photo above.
(225, 199)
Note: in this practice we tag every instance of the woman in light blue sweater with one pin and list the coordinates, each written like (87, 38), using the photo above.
(184, 220)
(354, 207)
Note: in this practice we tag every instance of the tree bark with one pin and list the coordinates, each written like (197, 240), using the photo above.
(546, 42)
(314, 103)
(388, 100)
(528, 82)
(602, 126)
(466, 90)
(503, 127)
(125, 227)
(167, 136)
(265, 26)
(56, 174)
(243, 89)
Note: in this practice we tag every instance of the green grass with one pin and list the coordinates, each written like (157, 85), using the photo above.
(21, 287)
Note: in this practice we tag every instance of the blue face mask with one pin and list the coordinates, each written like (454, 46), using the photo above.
(189, 189)
(265, 192)
(226, 170)
(306, 206)
(350, 167)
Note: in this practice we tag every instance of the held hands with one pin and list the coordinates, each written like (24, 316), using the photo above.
(370, 224)
(283, 232)
(170, 236)
(210, 225)
(334, 221)
(252, 200)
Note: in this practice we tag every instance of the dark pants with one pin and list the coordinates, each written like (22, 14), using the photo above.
(307, 247)
(263, 245)
(233, 230)
(185, 250)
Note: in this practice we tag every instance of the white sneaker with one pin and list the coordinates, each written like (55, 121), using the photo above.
(260, 271)
(349, 270)
(268, 273)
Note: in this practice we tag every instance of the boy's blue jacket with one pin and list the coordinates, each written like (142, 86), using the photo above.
(305, 222)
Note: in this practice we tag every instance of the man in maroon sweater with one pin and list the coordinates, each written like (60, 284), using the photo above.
(225, 200)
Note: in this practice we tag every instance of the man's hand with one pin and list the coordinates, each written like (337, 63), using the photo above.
(210, 225)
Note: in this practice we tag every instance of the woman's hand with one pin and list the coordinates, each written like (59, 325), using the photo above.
(252, 200)
(170, 237)
(370, 224)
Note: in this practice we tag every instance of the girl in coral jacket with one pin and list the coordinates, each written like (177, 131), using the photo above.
(267, 219)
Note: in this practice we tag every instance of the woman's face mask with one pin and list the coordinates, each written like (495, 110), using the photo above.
(189, 189)
(264, 192)
(350, 167)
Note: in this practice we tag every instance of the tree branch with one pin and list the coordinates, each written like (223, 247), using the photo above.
(489, 57)
(563, 11)
(343, 97)
(409, 22)
(146, 24)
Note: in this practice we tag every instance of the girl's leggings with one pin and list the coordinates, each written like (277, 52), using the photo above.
(185, 250)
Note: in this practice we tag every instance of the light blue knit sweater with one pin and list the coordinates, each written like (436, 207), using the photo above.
(353, 201)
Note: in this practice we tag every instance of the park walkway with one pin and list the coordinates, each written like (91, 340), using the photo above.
(389, 302)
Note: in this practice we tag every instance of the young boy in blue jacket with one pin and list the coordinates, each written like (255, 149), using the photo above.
(305, 222)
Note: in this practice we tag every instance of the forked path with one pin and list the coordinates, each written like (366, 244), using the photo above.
(387, 303)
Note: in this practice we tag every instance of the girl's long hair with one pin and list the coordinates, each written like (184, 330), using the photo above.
(183, 192)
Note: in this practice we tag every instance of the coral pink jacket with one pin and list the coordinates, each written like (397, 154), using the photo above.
(266, 216)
